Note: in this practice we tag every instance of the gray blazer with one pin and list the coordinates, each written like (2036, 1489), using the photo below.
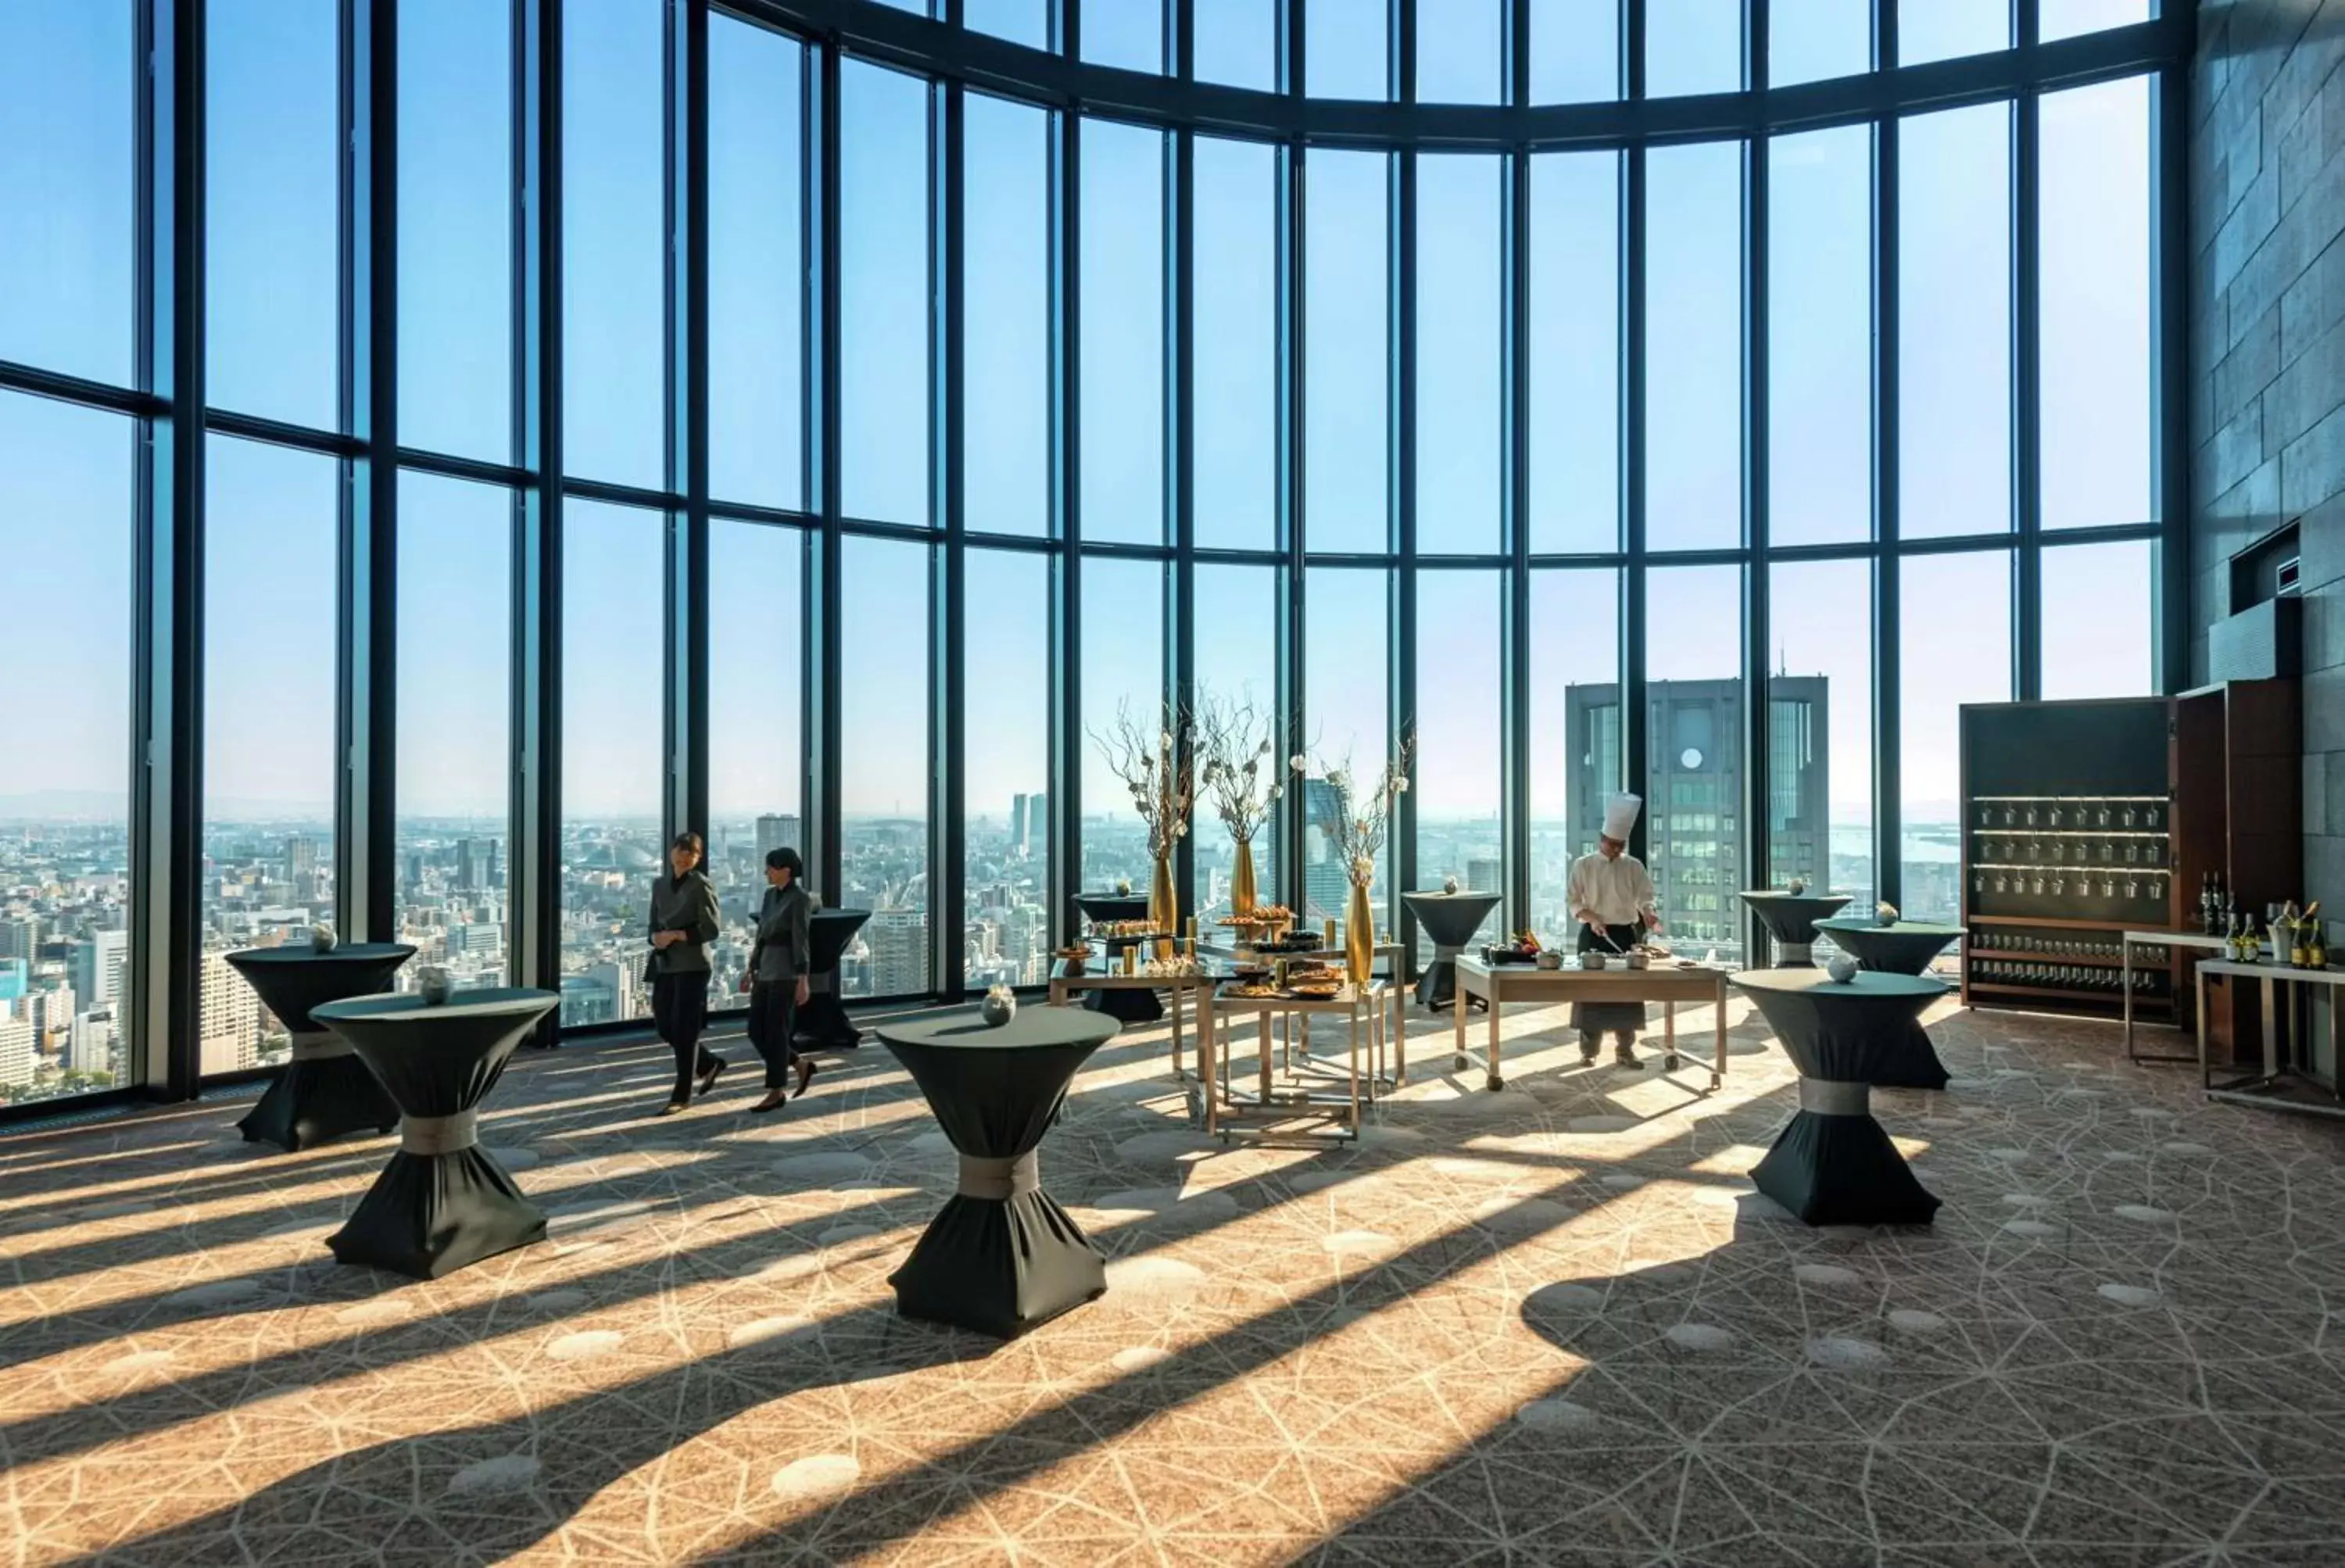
(785, 950)
(688, 905)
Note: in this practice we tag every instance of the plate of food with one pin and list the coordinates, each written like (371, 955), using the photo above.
(1251, 988)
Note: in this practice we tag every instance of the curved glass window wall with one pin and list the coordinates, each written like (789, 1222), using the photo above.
(512, 431)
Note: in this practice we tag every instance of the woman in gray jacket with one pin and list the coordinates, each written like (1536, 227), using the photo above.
(684, 921)
(776, 977)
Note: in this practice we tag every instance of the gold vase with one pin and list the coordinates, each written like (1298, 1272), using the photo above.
(1241, 898)
(1163, 909)
(1359, 935)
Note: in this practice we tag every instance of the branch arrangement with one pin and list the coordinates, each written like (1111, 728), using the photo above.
(1158, 765)
(1363, 814)
(1234, 762)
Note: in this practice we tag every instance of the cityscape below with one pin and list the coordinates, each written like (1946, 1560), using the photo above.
(64, 886)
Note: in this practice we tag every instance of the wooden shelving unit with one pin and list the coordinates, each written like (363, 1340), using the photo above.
(2103, 817)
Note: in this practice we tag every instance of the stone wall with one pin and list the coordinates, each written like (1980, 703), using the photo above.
(2268, 351)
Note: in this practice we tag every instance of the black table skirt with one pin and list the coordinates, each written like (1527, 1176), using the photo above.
(313, 1102)
(1904, 948)
(1449, 921)
(823, 1023)
(429, 1216)
(1843, 1170)
(1000, 1266)
(314, 1099)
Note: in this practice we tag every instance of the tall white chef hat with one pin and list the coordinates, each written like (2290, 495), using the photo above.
(1620, 815)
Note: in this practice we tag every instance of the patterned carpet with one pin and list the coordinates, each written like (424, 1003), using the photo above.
(1552, 1325)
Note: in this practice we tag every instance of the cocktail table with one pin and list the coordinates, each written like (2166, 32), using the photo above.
(1001, 1255)
(324, 1091)
(1833, 1164)
(442, 1203)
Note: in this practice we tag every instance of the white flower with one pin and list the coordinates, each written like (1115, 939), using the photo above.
(1363, 867)
(1400, 785)
(1298, 762)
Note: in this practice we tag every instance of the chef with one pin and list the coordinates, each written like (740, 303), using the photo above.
(1612, 898)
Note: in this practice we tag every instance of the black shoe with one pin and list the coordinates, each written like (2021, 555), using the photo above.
(1626, 1056)
(674, 1107)
(708, 1078)
(774, 1101)
(1587, 1049)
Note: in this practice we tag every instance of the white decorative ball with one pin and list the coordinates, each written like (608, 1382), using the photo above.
(322, 939)
(1796, 886)
(1884, 914)
(1449, 884)
(1843, 969)
(434, 984)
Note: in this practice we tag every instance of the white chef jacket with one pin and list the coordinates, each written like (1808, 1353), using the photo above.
(1619, 890)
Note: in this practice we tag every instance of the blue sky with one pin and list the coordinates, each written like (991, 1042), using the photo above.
(66, 278)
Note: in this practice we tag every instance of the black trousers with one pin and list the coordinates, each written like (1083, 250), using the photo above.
(680, 1012)
(773, 1020)
(1622, 1019)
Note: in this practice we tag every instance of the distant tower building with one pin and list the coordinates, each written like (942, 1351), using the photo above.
(20, 938)
(92, 1046)
(899, 939)
(16, 1051)
(1693, 792)
(99, 962)
(1484, 877)
(492, 872)
(465, 866)
(777, 832)
(229, 1022)
(1018, 805)
(1326, 881)
(301, 858)
(1034, 834)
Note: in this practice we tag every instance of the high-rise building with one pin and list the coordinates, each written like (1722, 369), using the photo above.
(229, 1027)
(465, 866)
(777, 832)
(1694, 791)
(1485, 876)
(16, 1053)
(492, 871)
(899, 939)
(1034, 836)
(16, 978)
(91, 1044)
(99, 962)
(1327, 880)
(1018, 808)
(301, 857)
(20, 938)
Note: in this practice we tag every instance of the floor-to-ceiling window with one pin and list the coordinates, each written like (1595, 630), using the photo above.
(1768, 408)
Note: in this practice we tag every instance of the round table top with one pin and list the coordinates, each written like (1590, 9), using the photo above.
(407, 1008)
(1855, 925)
(1866, 983)
(1462, 895)
(857, 916)
(1779, 896)
(1033, 1028)
(301, 952)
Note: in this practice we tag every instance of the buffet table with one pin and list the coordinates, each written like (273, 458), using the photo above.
(324, 1091)
(1791, 918)
(442, 1203)
(1066, 982)
(1832, 1164)
(1667, 982)
(1001, 1255)
(1450, 920)
(822, 1023)
(1362, 1007)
